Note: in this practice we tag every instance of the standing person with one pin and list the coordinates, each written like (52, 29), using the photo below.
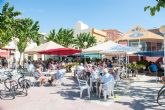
(0, 61)
(4, 62)
(31, 68)
(26, 65)
(14, 63)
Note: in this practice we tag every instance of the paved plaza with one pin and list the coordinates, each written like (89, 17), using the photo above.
(134, 94)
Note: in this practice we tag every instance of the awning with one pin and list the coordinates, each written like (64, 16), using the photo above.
(110, 47)
(60, 51)
(151, 53)
(4, 53)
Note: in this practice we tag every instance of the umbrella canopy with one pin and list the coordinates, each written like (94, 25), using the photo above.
(4, 53)
(110, 47)
(46, 46)
(120, 49)
(60, 51)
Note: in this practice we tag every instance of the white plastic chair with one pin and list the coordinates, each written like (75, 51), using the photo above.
(108, 89)
(83, 85)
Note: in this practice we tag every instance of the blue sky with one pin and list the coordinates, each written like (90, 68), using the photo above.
(100, 14)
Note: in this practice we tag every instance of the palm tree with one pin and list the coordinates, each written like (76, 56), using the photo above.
(7, 19)
(37, 39)
(64, 37)
(51, 36)
(25, 30)
(85, 37)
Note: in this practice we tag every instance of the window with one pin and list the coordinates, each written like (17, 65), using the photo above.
(148, 46)
(153, 46)
(159, 46)
(134, 44)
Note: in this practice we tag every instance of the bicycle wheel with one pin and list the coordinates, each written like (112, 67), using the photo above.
(7, 95)
(161, 89)
(161, 98)
(19, 81)
(8, 82)
(13, 91)
(25, 85)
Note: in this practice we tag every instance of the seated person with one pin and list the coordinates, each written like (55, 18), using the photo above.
(94, 73)
(100, 69)
(88, 68)
(80, 68)
(112, 73)
(59, 74)
(109, 65)
(39, 76)
(106, 77)
(153, 67)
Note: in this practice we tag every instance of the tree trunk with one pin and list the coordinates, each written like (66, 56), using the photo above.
(20, 58)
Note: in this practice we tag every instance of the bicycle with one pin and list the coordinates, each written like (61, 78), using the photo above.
(7, 94)
(161, 96)
(10, 92)
(9, 82)
(24, 84)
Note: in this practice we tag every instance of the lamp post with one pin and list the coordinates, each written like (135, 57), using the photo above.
(162, 30)
(85, 44)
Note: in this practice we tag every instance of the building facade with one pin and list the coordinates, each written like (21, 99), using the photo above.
(81, 27)
(113, 34)
(145, 40)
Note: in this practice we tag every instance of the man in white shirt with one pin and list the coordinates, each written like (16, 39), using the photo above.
(80, 68)
(106, 77)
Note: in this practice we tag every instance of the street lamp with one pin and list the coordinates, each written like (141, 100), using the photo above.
(85, 44)
(162, 30)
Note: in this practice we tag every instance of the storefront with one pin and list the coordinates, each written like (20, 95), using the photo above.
(145, 40)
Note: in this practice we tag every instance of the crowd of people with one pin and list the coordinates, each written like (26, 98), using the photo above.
(102, 70)
(37, 69)
(91, 68)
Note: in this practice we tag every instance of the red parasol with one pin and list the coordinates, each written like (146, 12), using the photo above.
(4, 54)
(60, 51)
